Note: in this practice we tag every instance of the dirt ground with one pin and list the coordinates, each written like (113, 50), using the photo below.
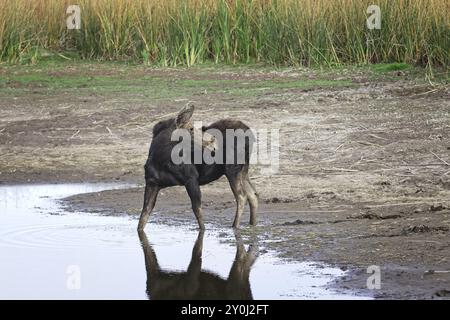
(364, 176)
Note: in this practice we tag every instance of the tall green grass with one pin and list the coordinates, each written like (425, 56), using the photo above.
(188, 32)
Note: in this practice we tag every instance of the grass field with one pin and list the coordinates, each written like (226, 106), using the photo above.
(278, 32)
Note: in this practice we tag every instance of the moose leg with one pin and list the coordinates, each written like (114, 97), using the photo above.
(150, 195)
(195, 266)
(238, 283)
(252, 199)
(151, 262)
(237, 187)
(193, 190)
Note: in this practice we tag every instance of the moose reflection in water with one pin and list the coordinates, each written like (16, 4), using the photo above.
(196, 283)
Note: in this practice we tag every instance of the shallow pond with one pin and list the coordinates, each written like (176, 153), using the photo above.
(47, 253)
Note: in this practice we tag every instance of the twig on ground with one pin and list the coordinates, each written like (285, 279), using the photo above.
(307, 211)
(165, 116)
(378, 137)
(428, 272)
(401, 204)
(339, 147)
(340, 169)
(448, 164)
(74, 135)
(424, 93)
(368, 143)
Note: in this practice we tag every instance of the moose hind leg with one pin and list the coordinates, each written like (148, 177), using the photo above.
(252, 200)
(237, 187)
(150, 195)
(193, 190)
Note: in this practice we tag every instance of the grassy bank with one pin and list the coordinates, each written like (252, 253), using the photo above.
(280, 32)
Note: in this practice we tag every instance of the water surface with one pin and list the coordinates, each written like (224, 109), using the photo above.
(47, 253)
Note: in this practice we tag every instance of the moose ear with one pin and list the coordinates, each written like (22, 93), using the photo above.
(184, 115)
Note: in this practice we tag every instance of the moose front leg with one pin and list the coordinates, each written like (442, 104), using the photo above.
(151, 262)
(193, 190)
(150, 195)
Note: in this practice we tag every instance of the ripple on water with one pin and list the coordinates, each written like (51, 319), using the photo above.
(63, 236)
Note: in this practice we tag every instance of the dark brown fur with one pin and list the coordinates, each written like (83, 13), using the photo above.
(161, 172)
(196, 284)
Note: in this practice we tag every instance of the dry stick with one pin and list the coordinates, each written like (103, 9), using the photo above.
(138, 127)
(448, 164)
(306, 211)
(74, 135)
(339, 147)
(71, 129)
(424, 165)
(411, 165)
(400, 204)
(340, 169)
(357, 162)
(424, 93)
(165, 116)
(131, 123)
(428, 272)
(378, 137)
(154, 120)
(366, 143)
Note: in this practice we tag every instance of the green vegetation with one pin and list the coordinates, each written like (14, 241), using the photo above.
(389, 67)
(189, 32)
(110, 78)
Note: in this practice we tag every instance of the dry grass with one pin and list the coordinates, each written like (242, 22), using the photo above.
(287, 32)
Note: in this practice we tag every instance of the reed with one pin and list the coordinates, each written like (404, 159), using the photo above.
(188, 32)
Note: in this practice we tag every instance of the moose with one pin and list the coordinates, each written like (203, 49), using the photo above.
(195, 283)
(162, 172)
